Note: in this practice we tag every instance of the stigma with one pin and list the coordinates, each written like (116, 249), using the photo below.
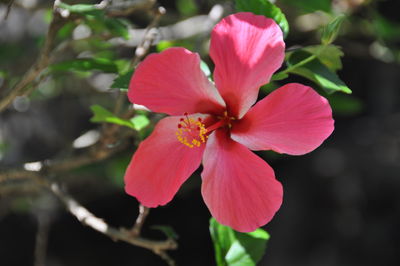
(191, 132)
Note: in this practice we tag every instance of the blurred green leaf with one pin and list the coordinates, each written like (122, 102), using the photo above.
(331, 30)
(386, 29)
(266, 8)
(3, 74)
(48, 15)
(117, 27)
(122, 81)
(186, 7)
(102, 115)
(167, 230)
(237, 249)
(84, 9)
(316, 72)
(115, 169)
(345, 104)
(162, 45)
(185, 43)
(96, 18)
(86, 64)
(124, 65)
(21, 205)
(66, 30)
(329, 55)
(309, 6)
(140, 121)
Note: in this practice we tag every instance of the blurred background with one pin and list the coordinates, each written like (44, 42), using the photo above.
(341, 202)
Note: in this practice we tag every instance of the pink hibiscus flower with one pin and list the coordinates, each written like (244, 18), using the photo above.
(217, 124)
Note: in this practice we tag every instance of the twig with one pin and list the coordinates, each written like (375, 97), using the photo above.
(89, 219)
(187, 28)
(142, 49)
(43, 60)
(149, 36)
(9, 6)
(126, 8)
(41, 240)
(17, 174)
(97, 152)
(137, 228)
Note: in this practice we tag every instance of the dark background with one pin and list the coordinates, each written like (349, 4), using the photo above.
(341, 202)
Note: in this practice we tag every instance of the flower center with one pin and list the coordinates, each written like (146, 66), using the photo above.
(193, 133)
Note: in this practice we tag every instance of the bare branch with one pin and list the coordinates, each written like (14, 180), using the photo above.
(17, 174)
(97, 152)
(187, 28)
(89, 219)
(142, 49)
(126, 8)
(148, 38)
(43, 60)
(41, 240)
(137, 228)
(9, 6)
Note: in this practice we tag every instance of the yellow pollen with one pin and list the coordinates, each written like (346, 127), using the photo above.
(191, 133)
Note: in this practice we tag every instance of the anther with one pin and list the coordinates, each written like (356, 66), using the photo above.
(191, 132)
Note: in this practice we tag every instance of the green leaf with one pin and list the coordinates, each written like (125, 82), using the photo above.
(66, 30)
(115, 169)
(266, 8)
(316, 72)
(84, 9)
(122, 81)
(329, 55)
(386, 29)
(279, 76)
(345, 104)
(237, 249)
(331, 30)
(102, 115)
(309, 6)
(86, 64)
(162, 45)
(97, 19)
(140, 121)
(167, 230)
(186, 7)
(117, 27)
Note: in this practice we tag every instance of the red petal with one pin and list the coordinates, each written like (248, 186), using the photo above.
(246, 49)
(160, 165)
(239, 188)
(293, 119)
(172, 82)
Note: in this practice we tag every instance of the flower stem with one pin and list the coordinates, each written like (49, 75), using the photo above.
(283, 73)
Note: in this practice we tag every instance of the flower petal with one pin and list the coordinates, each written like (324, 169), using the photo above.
(238, 187)
(293, 119)
(246, 49)
(172, 82)
(160, 165)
